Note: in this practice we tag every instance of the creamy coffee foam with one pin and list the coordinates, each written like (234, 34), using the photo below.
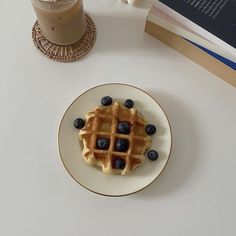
(54, 4)
(57, 1)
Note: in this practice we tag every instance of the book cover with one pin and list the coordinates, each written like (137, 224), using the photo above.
(158, 17)
(213, 19)
(193, 52)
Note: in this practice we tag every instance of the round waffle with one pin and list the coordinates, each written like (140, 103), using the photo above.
(102, 123)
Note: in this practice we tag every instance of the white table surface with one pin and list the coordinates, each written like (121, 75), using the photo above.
(196, 193)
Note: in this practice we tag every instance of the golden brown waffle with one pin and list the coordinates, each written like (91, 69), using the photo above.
(102, 123)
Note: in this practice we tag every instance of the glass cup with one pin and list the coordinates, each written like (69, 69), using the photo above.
(62, 22)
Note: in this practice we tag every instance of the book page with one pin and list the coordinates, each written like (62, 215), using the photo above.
(216, 16)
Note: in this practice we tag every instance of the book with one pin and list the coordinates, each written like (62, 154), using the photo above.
(214, 20)
(158, 17)
(193, 52)
(224, 60)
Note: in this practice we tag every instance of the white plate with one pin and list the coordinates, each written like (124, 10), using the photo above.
(92, 178)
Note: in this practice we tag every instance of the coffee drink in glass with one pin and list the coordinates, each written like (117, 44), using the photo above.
(62, 22)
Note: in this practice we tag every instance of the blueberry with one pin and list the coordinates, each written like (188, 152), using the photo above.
(152, 155)
(122, 145)
(150, 129)
(123, 128)
(106, 101)
(79, 123)
(129, 103)
(119, 164)
(103, 143)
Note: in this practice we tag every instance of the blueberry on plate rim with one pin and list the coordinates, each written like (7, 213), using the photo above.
(152, 155)
(106, 101)
(150, 129)
(79, 123)
(129, 103)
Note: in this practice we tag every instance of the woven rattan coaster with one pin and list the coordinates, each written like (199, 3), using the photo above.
(66, 53)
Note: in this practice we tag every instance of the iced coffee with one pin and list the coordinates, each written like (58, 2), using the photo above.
(61, 21)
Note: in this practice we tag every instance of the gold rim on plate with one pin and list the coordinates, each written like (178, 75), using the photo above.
(120, 195)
